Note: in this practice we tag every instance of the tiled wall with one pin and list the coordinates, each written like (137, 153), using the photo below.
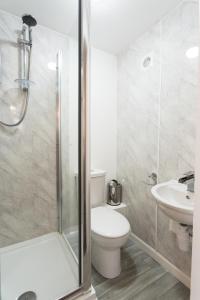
(28, 205)
(156, 122)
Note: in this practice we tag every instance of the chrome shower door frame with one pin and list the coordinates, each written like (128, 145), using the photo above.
(84, 144)
(84, 155)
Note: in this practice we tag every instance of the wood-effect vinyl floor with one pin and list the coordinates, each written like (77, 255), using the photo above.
(141, 278)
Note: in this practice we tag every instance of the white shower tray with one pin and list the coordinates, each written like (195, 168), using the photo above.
(44, 265)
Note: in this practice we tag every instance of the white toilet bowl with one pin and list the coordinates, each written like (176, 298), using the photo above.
(110, 231)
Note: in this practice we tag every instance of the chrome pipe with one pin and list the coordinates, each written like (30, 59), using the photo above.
(23, 56)
(25, 49)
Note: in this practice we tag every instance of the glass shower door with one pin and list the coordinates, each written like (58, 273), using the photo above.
(44, 246)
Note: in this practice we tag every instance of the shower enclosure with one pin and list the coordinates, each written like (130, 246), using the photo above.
(44, 165)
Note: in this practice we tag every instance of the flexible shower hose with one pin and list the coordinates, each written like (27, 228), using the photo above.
(26, 99)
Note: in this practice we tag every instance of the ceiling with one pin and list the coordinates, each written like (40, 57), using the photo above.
(59, 15)
(114, 23)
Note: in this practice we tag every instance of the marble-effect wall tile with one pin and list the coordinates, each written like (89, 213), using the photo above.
(178, 100)
(138, 130)
(28, 200)
(156, 122)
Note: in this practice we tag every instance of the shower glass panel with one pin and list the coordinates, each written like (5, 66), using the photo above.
(39, 153)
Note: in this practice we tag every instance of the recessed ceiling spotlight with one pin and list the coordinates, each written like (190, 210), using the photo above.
(192, 52)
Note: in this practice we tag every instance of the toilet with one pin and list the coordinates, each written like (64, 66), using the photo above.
(110, 230)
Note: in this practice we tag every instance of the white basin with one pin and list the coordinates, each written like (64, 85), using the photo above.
(175, 201)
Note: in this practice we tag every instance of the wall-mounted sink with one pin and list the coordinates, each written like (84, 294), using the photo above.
(175, 201)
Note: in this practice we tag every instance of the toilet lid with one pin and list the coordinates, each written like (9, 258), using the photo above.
(108, 223)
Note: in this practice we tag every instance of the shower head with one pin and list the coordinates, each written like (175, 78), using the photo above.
(29, 20)
(26, 32)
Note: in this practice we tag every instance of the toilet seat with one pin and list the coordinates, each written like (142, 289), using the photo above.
(108, 223)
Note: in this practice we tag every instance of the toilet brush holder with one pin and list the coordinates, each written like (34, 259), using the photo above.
(114, 193)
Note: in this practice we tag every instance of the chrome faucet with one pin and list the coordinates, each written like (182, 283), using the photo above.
(188, 179)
